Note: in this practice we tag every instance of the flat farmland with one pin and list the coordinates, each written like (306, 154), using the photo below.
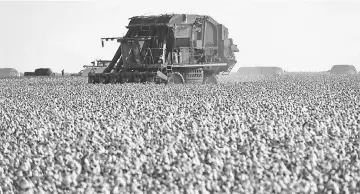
(293, 133)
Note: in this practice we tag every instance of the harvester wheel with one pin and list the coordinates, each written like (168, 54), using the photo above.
(175, 78)
(210, 80)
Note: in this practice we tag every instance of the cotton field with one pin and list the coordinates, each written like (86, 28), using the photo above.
(277, 134)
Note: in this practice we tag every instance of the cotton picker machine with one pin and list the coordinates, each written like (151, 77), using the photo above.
(171, 48)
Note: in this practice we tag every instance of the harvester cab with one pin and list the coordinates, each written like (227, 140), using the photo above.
(172, 48)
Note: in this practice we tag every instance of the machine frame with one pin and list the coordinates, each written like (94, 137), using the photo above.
(170, 48)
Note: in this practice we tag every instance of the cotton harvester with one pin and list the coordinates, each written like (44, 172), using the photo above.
(171, 48)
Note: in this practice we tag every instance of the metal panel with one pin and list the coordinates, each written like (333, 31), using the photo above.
(220, 41)
(194, 76)
(183, 19)
(185, 55)
(210, 34)
(182, 42)
(200, 65)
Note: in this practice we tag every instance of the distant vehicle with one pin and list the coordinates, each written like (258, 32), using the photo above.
(170, 48)
(97, 66)
(40, 72)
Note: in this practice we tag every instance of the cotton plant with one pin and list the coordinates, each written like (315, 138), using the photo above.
(258, 136)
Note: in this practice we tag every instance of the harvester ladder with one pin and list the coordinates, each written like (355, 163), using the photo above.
(227, 72)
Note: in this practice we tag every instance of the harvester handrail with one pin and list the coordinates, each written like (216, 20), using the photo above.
(112, 38)
(151, 51)
(209, 57)
(192, 54)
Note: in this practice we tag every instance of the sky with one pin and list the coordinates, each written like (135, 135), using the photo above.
(296, 35)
